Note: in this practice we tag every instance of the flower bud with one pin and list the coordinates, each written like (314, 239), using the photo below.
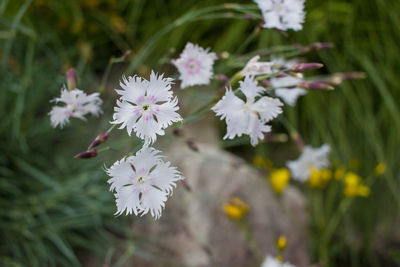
(338, 78)
(306, 66)
(71, 79)
(192, 145)
(315, 86)
(101, 138)
(86, 154)
(222, 78)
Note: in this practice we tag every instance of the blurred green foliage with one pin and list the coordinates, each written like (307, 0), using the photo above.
(52, 206)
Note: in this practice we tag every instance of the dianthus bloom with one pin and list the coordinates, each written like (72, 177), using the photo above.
(248, 117)
(77, 104)
(269, 261)
(195, 65)
(311, 158)
(282, 14)
(287, 89)
(254, 67)
(142, 183)
(146, 107)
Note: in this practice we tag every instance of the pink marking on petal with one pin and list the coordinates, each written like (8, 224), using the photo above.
(140, 99)
(156, 110)
(152, 98)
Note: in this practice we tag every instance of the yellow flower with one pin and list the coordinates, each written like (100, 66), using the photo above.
(353, 186)
(279, 179)
(380, 169)
(236, 209)
(233, 212)
(281, 243)
(339, 173)
(319, 178)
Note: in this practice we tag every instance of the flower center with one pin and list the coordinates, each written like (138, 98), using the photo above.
(140, 180)
(145, 107)
(193, 66)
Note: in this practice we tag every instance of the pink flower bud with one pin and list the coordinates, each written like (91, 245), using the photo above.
(315, 86)
(306, 66)
(222, 78)
(338, 78)
(101, 138)
(86, 154)
(192, 145)
(71, 79)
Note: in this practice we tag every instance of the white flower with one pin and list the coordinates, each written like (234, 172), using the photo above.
(253, 67)
(77, 104)
(287, 90)
(248, 117)
(282, 14)
(316, 158)
(195, 65)
(269, 261)
(142, 183)
(146, 107)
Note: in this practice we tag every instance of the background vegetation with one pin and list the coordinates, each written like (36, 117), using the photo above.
(52, 205)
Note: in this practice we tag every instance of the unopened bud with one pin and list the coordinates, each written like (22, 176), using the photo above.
(101, 138)
(192, 145)
(71, 79)
(249, 17)
(306, 66)
(317, 46)
(222, 78)
(86, 154)
(315, 86)
(338, 78)
(125, 55)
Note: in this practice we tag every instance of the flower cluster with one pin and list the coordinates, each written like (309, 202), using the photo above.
(353, 186)
(76, 104)
(142, 183)
(248, 117)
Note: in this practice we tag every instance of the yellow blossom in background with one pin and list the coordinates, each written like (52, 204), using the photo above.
(339, 173)
(279, 179)
(319, 178)
(281, 243)
(236, 209)
(353, 186)
(380, 169)
(233, 212)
